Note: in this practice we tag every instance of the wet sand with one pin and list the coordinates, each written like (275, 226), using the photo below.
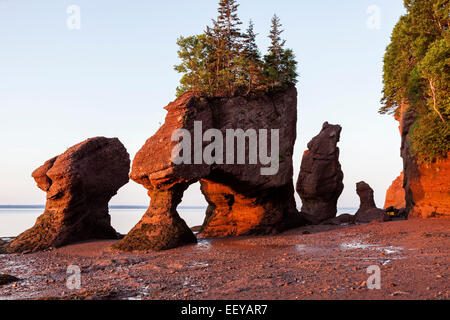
(314, 262)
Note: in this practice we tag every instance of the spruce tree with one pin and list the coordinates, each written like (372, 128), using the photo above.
(250, 47)
(194, 54)
(417, 75)
(225, 62)
(252, 59)
(288, 68)
(279, 64)
(227, 41)
(277, 44)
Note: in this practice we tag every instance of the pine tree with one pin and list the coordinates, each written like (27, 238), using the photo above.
(225, 62)
(194, 53)
(227, 41)
(277, 44)
(252, 60)
(273, 58)
(417, 73)
(279, 63)
(250, 47)
(288, 68)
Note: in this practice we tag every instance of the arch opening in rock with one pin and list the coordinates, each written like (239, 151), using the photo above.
(192, 208)
(161, 227)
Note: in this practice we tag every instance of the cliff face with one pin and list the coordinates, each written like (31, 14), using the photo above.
(79, 184)
(427, 186)
(395, 195)
(242, 199)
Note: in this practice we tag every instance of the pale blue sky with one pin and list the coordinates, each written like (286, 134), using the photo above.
(114, 76)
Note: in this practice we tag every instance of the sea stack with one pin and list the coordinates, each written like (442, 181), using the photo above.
(368, 210)
(320, 181)
(79, 184)
(242, 200)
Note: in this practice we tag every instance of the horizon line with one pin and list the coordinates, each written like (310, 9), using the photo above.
(40, 206)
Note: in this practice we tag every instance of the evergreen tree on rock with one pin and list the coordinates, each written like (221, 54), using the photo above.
(280, 66)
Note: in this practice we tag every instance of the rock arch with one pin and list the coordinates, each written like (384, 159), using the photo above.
(241, 200)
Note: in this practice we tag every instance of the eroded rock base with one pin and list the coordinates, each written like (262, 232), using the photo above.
(161, 228)
(231, 213)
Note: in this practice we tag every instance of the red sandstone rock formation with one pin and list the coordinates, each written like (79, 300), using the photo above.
(429, 189)
(320, 181)
(79, 184)
(365, 193)
(368, 210)
(427, 186)
(395, 195)
(233, 213)
(241, 200)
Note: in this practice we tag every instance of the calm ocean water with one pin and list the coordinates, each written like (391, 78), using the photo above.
(15, 220)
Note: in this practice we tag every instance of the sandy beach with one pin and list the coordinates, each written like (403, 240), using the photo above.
(313, 262)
